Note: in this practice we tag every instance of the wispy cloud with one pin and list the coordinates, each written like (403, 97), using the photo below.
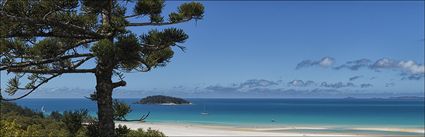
(355, 65)
(301, 83)
(267, 86)
(337, 85)
(408, 66)
(244, 86)
(354, 78)
(366, 85)
(325, 89)
(253, 83)
(409, 69)
(389, 84)
(221, 88)
(406, 76)
(324, 62)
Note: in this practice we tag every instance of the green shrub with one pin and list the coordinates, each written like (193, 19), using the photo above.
(82, 132)
(10, 128)
(122, 131)
(7, 107)
(34, 131)
(73, 120)
(58, 133)
(16, 121)
(148, 133)
(92, 129)
(56, 129)
(56, 115)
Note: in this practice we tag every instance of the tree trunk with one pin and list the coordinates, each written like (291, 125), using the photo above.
(104, 101)
(104, 85)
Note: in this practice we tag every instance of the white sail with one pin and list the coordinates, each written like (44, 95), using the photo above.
(42, 109)
(204, 112)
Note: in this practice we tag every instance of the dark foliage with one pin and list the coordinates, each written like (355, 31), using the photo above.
(56, 115)
(122, 131)
(73, 120)
(16, 122)
(19, 121)
(7, 107)
(120, 109)
(93, 129)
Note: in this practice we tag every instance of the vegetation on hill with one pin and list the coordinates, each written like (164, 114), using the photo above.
(16, 121)
(160, 99)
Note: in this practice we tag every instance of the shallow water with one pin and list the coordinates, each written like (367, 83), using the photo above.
(265, 112)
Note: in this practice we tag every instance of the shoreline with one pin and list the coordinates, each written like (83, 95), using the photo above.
(189, 129)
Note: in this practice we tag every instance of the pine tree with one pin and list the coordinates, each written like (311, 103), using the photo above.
(43, 39)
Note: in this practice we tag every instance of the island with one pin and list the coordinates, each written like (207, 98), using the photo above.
(163, 100)
(349, 98)
(408, 98)
(390, 98)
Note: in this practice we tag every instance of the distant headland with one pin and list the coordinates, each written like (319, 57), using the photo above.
(162, 100)
(397, 97)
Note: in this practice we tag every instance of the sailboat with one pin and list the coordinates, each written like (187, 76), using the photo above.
(204, 112)
(42, 109)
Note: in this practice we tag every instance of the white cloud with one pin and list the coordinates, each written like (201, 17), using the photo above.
(337, 85)
(406, 65)
(324, 62)
(408, 69)
(300, 83)
(412, 67)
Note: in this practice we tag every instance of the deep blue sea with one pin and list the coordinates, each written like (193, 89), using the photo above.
(264, 112)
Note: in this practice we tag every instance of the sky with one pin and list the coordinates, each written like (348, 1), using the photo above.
(281, 49)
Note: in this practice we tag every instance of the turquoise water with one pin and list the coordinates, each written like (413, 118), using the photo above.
(261, 112)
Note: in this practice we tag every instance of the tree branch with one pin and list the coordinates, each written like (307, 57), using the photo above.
(44, 71)
(45, 81)
(32, 90)
(3, 3)
(121, 83)
(82, 62)
(32, 63)
(48, 34)
(131, 16)
(41, 71)
(157, 24)
(85, 41)
(153, 47)
(59, 24)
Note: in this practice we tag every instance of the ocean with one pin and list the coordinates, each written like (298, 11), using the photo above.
(336, 115)
(264, 112)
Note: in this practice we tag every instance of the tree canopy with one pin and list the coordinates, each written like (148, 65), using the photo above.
(44, 39)
(41, 40)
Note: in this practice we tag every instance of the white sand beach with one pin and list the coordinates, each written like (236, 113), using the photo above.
(408, 130)
(179, 129)
(170, 129)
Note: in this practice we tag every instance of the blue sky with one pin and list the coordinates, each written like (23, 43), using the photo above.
(252, 49)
